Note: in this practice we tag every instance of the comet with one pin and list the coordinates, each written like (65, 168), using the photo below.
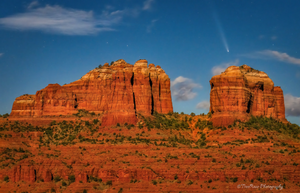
(221, 31)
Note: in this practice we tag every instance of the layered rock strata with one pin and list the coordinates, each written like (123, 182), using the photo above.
(240, 92)
(119, 92)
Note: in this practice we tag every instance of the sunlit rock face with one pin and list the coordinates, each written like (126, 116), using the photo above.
(242, 91)
(118, 92)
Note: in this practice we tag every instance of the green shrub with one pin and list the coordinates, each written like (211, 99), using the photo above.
(109, 183)
(71, 178)
(95, 121)
(190, 182)
(140, 126)
(209, 115)
(154, 182)
(53, 123)
(56, 179)
(175, 177)
(6, 178)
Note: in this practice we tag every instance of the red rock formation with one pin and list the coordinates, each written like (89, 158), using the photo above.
(242, 91)
(24, 105)
(25, 173)
(119, 91)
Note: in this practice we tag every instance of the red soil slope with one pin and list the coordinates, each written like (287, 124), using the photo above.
(165, 153)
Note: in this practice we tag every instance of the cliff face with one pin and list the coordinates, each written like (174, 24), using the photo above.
(242, 91)
(119, 91)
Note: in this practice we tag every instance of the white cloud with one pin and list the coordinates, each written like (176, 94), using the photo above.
(55, 19)
(216, 70)
(148, 4)
(292, 105)
(59, 20)
(33, 4)
(182, 88)
(151, 25)
(274, 55)
(203, 105)
(1, 54)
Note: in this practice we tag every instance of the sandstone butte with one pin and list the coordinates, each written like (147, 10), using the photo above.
(239, 92)
(194, 156)
(117, 92)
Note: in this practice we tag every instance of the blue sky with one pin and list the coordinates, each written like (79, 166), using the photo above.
(45, 41)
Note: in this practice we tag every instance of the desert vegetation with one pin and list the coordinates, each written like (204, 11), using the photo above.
(171, 150)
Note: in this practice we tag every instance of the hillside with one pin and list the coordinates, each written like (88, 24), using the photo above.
(162, 153)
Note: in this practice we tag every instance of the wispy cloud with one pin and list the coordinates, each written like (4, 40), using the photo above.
(148, 4)
(151, 25)
(1, 54)
(58, 20)
(216, 70)
(33, 4)
(273, 37)
(292, 105)
(55, 19)
(274, 55)
(203, 105)
(182, 88)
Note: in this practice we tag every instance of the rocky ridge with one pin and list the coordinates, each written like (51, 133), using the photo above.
(117, 92)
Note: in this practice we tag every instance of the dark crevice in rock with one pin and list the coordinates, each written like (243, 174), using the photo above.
(249, 105)
(159, 91)
(212, 85)
(152, 101)
(134, 102)
(261, 87)
(132, 78)
(132, 82)
(150, 81)
(76, 104)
